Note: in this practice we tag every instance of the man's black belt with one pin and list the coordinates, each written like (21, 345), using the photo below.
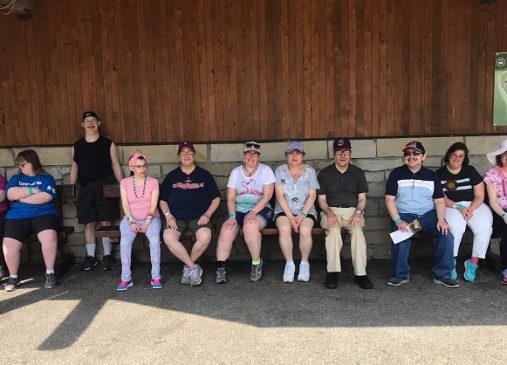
(344, 206)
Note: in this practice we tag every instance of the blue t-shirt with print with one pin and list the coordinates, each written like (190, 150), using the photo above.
(45, 183)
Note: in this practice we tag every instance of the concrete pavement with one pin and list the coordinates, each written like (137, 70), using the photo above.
(84, 320)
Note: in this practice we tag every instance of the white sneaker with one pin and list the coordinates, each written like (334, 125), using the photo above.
(304, 271)
(288, 273)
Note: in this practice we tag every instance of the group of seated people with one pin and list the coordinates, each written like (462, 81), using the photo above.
(442, 203)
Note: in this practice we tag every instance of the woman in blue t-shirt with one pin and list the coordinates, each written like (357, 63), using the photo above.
(32, 193)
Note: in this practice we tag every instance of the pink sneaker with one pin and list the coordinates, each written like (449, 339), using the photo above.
(156, 284)
(124, 285)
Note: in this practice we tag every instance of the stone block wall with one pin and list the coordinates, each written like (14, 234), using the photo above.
(377, 157)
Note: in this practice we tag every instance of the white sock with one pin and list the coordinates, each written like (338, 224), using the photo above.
(291, 262)
(90, 249)
(304, 262)
(14, 276)
(50, 272)
(107, 246)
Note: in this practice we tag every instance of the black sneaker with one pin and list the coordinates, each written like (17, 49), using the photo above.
(447, 282)
(50, 281)
(12, 284)
(331, 280)
(364, 282)
(108, 261)
(89, 263)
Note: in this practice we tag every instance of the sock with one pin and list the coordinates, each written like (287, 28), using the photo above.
(107, 246)
(14, 276)
(220, 264)
(256, 262)
(90, 249)
(474, 260)
(291, 262)
(50, 272)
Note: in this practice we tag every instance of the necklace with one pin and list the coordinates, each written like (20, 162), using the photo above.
(134, 185)
(250, 173)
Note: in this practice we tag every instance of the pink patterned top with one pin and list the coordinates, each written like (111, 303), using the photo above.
(140, 201)
(495, 178)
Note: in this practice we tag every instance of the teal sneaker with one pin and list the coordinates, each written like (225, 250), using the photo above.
(156, 284)
(470, 271)
(453, 274)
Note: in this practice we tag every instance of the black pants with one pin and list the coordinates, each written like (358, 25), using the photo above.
(500, 230)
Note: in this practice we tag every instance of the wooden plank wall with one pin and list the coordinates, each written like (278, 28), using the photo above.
(229, 70)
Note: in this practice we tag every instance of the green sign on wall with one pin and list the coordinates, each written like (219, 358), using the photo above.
(500, 93)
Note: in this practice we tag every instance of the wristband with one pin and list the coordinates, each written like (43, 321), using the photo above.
(504, 214)
(397, 220)
(231, 215)
(458, 206)
(167, 213)
(303, 213)
(30, 190)
(130, 219)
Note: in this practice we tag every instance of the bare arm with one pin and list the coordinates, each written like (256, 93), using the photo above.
(40, 197)
(116, 163)
(393, 212)
(332, 219)
(493, 203)
(267, 193)
(358, 219)
(478, 196)
(231, 200)
(442, 225)
(3, 195)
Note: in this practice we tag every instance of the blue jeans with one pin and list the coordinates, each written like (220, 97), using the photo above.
(443, 244)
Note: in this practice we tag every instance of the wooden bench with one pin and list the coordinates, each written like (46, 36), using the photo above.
(65, 193)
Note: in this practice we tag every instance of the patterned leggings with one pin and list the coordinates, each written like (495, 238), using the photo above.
(126, 241)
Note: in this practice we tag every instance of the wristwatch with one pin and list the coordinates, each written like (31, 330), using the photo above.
(359, 211)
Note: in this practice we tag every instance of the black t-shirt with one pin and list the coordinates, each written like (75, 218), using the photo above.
(459, 187)
(342, 188)
(93, 160)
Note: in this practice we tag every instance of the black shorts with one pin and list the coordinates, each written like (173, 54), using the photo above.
(19, 229)
(282, 214)
(92, 206)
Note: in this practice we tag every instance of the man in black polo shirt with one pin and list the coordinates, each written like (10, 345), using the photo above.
(342, 198)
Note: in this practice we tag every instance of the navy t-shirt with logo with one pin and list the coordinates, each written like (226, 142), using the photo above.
(189, 196)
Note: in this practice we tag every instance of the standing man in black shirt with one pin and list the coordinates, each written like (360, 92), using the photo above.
(95, 164)
(342, 198)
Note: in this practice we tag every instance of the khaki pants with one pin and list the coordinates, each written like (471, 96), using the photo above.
(334, 241)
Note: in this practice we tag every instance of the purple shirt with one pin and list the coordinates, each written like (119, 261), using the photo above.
(4, 205)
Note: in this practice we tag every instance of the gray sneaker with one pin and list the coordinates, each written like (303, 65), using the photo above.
(395, 281)
(256, 273)
(50, 281)
(221, 278)
(195, 275)
(185, 277)
(447, 282)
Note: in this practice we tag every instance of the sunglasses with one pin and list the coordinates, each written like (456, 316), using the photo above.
(412, 153)
(252, 145)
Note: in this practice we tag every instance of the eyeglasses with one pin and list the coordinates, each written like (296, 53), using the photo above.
(456, 156)
(252, 145)
(140, 166)
(90, 121)
(188, 153)
(412, 153)
(342, 153)
(252, 153)
(22, 164)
